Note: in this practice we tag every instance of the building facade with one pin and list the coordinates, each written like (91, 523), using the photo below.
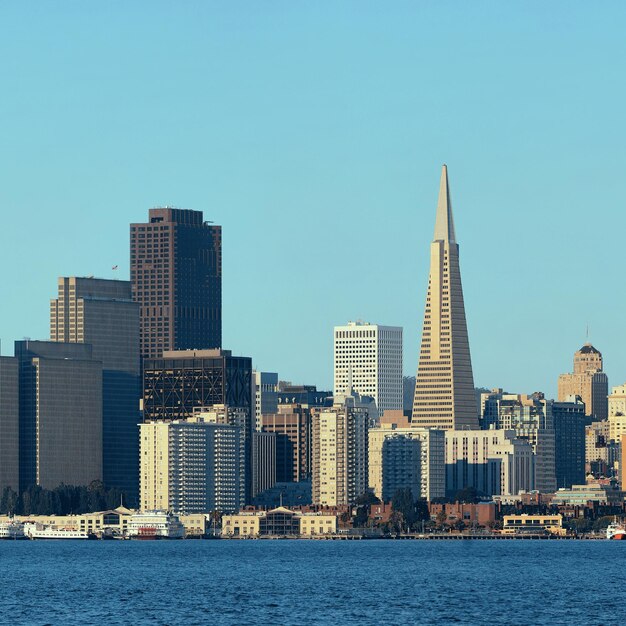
(176, 275)
(263, 462)
(404, 457)
(587, 381)
(368, 359)
(617, 412)
(265, 391)
(102, 313)
(339, 452)
(444, 387)
(60, 414)
(494, 462)
(292, 426)
(569, 442)
(9, 424)
(191, 466)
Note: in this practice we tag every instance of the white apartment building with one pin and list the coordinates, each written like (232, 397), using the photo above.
(369, 357)
(402, 458)
(339, 451)
(191, 466)
(617, 413)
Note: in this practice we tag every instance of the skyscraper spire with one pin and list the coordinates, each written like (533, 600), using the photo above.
(444, 389)
(444, 223)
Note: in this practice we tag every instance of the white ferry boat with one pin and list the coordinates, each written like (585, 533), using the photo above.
(12, 529)
(34, 530)
(616, 531)
(155, 525)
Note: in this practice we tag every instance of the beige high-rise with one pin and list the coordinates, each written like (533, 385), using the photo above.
(587, 381)
(444, 390)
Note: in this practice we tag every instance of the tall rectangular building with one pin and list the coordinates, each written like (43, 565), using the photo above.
(60, 414)
(368, 357)
(176, 274)
(265, 395)
(339, 451)
(102, 313)
(292, 426)
(263, 462)
(9, 423)
(569, 442)
(191, 466)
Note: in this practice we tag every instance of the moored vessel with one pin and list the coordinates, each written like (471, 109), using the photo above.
(616, 531)
(34, 530)
(12, 529)
(155, 525)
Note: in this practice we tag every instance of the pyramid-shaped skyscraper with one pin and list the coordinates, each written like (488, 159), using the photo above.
(444, 388)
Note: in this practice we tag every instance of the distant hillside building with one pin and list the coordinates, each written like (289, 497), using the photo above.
(587, 381)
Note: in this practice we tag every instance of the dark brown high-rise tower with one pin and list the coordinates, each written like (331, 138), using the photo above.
(176, 275)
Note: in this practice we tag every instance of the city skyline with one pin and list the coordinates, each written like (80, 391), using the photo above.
(537, 189)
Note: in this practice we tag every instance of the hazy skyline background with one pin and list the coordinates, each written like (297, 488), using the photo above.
(314, 133)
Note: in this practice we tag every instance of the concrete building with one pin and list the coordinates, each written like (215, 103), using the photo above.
(444, 388)
(587, 381)
(617, 412)
(292, 426)
(265, 390)
(60, 414)
(494, 462)
(622, 463)
(9, 423)
(402, 457)
(102, 313)
(569, 441)
(532, 420)
(339, 451)
(183, 382)
(191, 466)
(263, 462)
(368, 359)
(176, 274)
(582, 494)
(601, 452)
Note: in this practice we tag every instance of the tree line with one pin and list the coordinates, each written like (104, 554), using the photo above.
(63, 500)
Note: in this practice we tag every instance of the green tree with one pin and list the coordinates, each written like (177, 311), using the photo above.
(403, 503)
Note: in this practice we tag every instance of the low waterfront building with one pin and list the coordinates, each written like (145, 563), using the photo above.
(481, 514)
(93, 523)
(533, 525)
(280, 521)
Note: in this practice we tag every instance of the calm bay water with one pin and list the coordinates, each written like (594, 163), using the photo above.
(319, 582)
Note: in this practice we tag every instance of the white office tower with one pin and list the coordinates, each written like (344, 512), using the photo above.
(191, 466)
(368, 358)
(265, 390)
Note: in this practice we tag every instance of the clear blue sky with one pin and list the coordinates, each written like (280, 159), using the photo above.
(314, 132)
